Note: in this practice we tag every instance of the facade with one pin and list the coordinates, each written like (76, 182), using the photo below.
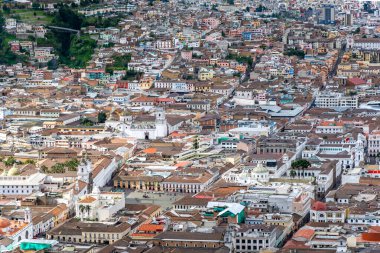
(140, 182)
(183, 182)
(336, 100)
(182, 240)
(252, 238)
(21, 185)
(366, 43)
(324, 212)
(199, 105)
(374, 143)
(81, 232)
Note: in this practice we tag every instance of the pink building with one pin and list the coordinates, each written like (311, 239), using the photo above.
(187, 55)
(212, 23)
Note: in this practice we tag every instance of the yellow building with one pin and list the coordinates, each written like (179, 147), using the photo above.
(256, 23)
(146, 83)
(205, 74)
(202, 87)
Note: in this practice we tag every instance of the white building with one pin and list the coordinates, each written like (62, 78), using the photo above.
(100, 172)
(253, 129)
(164, 44)
(325, 212)
(99, 206)
(248, 175)
(149, 130)
(254, 238)
(20, 185)
(330, 127)
(10, 23)
(366, 43)
(336, 100)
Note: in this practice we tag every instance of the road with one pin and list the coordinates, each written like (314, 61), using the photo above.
(338, 61)
(249, 69)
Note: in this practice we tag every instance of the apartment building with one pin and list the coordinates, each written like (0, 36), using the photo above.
(336, 100)
(252, 238)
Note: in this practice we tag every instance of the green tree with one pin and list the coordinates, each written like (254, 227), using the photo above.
(88, 209)
(299, 53)
(58, 168)
(52, 64)
(10, 161)
(6, 9)
(293, 173)
(82, 208)
(44, 169)
(261, 8)
(102, 117)
(72, 164)
(79, 52)
(86, 122)
(301, 164)
(196, 143)
(30, 161)
(36, 6)
(263, 46)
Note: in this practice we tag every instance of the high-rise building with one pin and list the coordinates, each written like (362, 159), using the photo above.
(348, 19)
(327, 14)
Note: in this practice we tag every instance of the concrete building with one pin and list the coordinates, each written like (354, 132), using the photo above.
(252, 238)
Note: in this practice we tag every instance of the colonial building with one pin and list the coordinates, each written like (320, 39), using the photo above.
(81, 232)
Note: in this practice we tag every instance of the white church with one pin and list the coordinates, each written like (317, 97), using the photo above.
(248, 175)
(148, 128)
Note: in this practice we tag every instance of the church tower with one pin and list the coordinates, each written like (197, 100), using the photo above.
(161, 123)
(27, 215)
(359, 152)
(84, 170)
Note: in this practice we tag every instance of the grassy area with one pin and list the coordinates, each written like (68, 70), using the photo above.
(30, 16)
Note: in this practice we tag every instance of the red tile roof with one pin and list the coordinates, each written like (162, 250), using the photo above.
(319, 206)
(304, 233)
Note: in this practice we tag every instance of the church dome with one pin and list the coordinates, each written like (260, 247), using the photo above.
(4, 223)
(260, 169)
